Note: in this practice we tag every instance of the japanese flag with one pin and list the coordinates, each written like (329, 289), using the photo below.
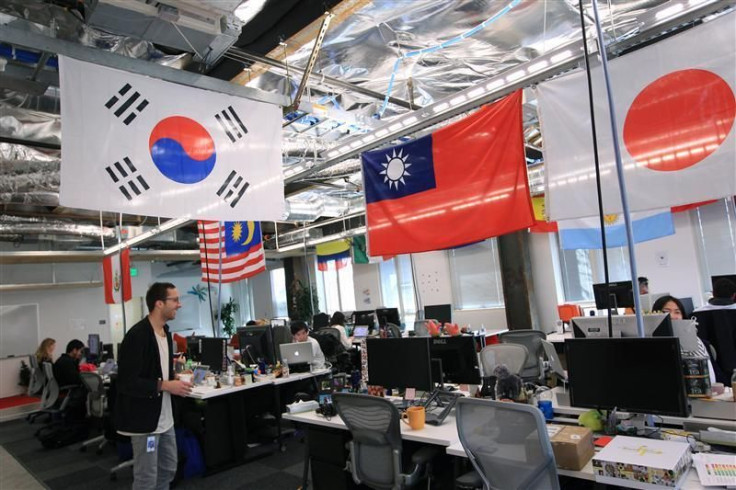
(675, 108)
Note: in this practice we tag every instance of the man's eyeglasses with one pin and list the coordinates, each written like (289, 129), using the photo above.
(175, 299)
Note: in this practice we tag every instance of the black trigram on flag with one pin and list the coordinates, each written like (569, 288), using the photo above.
(128, 178)
(127, 104)
(233, 188)
(231, 124)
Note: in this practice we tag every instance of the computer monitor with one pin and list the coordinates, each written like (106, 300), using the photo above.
(655, 325)
(256, 342)
(441, 313)
(93, 344)
(633, 375)
(388, 315)
(194, 348)
(687, 302)
(459, 359)
(214, 353)
(400, 363)
(279, 322)
(620, 295)
(106, 352)
(365, 317)
(647, 301)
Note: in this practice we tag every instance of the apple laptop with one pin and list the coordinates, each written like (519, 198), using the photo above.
(297, 352)
(360, 332)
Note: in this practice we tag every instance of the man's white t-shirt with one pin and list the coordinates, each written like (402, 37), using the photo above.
(166, 419)
(318, 357)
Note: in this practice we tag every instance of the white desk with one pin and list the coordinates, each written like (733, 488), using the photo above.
(559, 337)
(205, 392)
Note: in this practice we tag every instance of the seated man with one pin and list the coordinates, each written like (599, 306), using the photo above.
(66, 373)
(300, 333)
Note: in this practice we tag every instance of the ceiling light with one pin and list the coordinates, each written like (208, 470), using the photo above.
(440, 107)
(476, 92)
(494, 84)
(394, 127)
(457, 100)
(368, 138)
(518, 74)
(333, 153)
(669, 11)
(355, 144)
(538, 66)
(409, 120)
(381, 132)
(561, 56)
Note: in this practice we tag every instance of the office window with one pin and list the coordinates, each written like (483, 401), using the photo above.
(397, 287)
(582, 268)
(715, 230)
(242, 293)
(278, 292)
(476, 276)
(335, 288)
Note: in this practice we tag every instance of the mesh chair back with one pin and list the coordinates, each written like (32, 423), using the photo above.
(374, 425)
(393, 331)
(95, 393)
(553, 359)
(329, 341)
(38, 378)
(512, 355)
(507, 444)
(51, 389)
(532, 340)
(420, 328)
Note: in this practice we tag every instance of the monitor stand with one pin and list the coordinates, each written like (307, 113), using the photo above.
(644, 425)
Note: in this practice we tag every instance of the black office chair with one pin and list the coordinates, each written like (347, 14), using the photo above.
(717, 328)
(335, 353)
(55, 398)
(320, 321)
(375, 450)
(96, 407)
(531, 339)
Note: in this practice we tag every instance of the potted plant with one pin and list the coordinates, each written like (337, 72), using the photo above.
(227, 317)
(300, 302)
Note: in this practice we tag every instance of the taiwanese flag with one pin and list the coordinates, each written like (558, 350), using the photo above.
(463, 183)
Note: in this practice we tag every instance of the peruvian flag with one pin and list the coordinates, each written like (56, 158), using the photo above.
(675, 109)
(116, 274)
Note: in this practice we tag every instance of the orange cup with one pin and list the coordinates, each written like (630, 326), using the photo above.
(415, 417)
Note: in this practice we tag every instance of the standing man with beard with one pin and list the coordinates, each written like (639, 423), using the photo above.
(145, 384)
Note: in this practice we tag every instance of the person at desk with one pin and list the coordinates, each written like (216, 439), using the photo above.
(673, 306)
(66, 373)
(724, 296)
(45, 351)
(300, 333)
(145, 384)
(338, 323)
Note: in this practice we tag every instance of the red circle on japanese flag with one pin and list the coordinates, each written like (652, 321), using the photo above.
(679, 119)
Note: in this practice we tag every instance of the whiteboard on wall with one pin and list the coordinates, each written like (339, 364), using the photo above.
(18, 330)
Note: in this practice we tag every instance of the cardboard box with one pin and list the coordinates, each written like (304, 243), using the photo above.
(572, 445)
(636, 462)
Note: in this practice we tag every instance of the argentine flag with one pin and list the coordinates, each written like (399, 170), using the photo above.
(585, 233)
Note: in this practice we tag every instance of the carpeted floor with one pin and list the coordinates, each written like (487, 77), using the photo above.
(17, 401)
(69, 468)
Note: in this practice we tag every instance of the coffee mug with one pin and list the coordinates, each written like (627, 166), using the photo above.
(415, 416)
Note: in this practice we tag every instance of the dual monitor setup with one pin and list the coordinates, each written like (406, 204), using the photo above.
(422, 362)
(379, 317)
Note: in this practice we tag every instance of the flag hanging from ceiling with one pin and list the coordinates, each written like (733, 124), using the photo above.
(336, 252)
(139, 145)
(675, 107)
(461, 184)
(688, 207)
(586, 232)
(541, 221)
(116, 276)
(242, 250)
(360, 252)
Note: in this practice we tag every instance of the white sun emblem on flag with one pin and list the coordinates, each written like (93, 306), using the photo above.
(394, 170)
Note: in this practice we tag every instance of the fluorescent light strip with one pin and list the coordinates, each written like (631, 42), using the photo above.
(169, 225)
(561, 56)
(440, 107)
(538, 66)
(517, 75)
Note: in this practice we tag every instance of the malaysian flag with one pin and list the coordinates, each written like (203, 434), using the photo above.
(233, 249)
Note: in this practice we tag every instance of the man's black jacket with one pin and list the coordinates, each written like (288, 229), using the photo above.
(66, 371)
(138, 404)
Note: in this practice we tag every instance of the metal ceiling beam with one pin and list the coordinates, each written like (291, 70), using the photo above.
(651, 26)
(312, 59)
(243, 55)
(10, 33)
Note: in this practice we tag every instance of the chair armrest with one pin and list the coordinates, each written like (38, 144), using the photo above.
(424, 455)
(68, 387)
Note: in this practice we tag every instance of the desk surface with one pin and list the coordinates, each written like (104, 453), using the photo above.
(205, 392)
(439, 435)
(559, 337)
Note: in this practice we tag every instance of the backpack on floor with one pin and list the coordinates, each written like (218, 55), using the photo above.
(60, 435)
(191, 462)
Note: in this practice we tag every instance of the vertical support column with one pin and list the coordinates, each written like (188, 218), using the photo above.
(516, 277)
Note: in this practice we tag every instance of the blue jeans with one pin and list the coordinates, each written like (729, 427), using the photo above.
(154, 469)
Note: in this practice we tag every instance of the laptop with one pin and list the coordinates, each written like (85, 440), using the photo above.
(360, 332)
(297, 353)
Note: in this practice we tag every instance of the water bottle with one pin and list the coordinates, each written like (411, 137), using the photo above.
(284, 369)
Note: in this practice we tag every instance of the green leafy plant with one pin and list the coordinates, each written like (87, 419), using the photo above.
(300, 307)
(227, 316)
